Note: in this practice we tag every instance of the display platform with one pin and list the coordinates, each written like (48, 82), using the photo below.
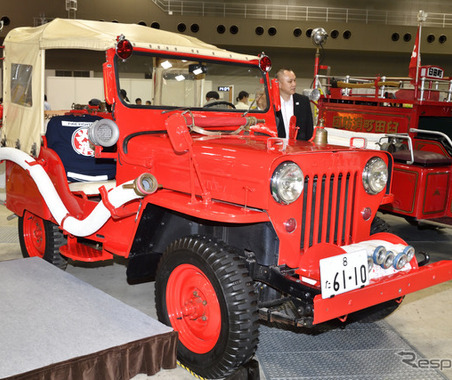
(56, 326)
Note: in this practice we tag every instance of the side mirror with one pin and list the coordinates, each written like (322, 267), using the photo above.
(109, 80)
(275, 94)
(178, 133)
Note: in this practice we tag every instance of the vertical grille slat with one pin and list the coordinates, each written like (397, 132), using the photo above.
(317, 210)
(341, 210)
(328, 209)
(348, 214)
(332, 226)
(307, 206)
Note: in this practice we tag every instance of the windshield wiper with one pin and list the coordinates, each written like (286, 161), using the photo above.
(249, 108)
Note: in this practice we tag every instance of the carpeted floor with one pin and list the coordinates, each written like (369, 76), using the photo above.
(49, 316)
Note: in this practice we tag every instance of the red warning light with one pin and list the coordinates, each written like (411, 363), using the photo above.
(124, 48)
(265, 63)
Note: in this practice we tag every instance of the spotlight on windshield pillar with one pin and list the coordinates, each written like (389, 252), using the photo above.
(319, 36)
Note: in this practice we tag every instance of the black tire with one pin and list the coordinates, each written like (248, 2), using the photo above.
(377, 312)
(215, 338)
(41, 238)
(379, 225)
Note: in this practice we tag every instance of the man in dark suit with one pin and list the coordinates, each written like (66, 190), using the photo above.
(293, 104)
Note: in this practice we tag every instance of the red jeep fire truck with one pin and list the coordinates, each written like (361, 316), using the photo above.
(233, 222)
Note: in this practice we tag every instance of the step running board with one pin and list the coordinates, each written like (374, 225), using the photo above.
(82, 252)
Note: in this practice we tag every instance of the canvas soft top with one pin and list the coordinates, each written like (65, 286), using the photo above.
(99, 35)
(24, 123)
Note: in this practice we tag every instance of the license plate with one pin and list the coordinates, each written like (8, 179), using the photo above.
(340, 274)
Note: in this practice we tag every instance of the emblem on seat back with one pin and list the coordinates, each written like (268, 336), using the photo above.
(81, 143)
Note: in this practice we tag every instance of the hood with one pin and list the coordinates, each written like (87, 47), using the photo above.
(238, 169)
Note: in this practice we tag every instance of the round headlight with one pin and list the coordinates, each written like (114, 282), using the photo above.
(287, 183)
(375, 175)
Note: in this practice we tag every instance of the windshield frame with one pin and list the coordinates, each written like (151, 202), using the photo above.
(263, 80)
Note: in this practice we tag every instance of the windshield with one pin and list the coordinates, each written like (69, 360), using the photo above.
(158, 81)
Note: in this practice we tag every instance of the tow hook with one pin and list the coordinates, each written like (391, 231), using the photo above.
(426, 259)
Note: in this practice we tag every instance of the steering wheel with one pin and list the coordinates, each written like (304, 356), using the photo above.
(220, 102)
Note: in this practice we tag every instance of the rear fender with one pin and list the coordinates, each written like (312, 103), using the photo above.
(23, 194)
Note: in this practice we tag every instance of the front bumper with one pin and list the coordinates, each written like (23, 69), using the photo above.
(387, 288)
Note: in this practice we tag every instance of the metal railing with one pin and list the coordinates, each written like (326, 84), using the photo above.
(378, 86)
(299, 13)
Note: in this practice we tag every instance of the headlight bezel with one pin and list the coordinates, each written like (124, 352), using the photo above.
(283, 172)
(371, 184)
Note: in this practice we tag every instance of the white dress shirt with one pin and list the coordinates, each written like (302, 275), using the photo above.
(287, 112)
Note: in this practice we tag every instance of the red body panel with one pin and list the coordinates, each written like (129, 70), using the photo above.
(22, 193)
(384, 290)
(421, 192)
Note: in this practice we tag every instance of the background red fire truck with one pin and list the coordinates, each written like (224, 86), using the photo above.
(410, 117)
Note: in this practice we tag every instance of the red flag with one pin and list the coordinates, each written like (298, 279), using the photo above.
(415, 58)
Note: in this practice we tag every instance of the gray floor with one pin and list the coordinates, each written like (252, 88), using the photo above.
(423, 321)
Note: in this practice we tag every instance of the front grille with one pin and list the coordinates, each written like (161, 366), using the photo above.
(328, 201)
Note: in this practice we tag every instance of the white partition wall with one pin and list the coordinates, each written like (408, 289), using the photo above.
(62, 92)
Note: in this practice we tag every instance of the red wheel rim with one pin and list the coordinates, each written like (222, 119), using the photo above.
(193, 308)
(34, 235)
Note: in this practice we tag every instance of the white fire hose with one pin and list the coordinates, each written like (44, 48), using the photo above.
(99, 216)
